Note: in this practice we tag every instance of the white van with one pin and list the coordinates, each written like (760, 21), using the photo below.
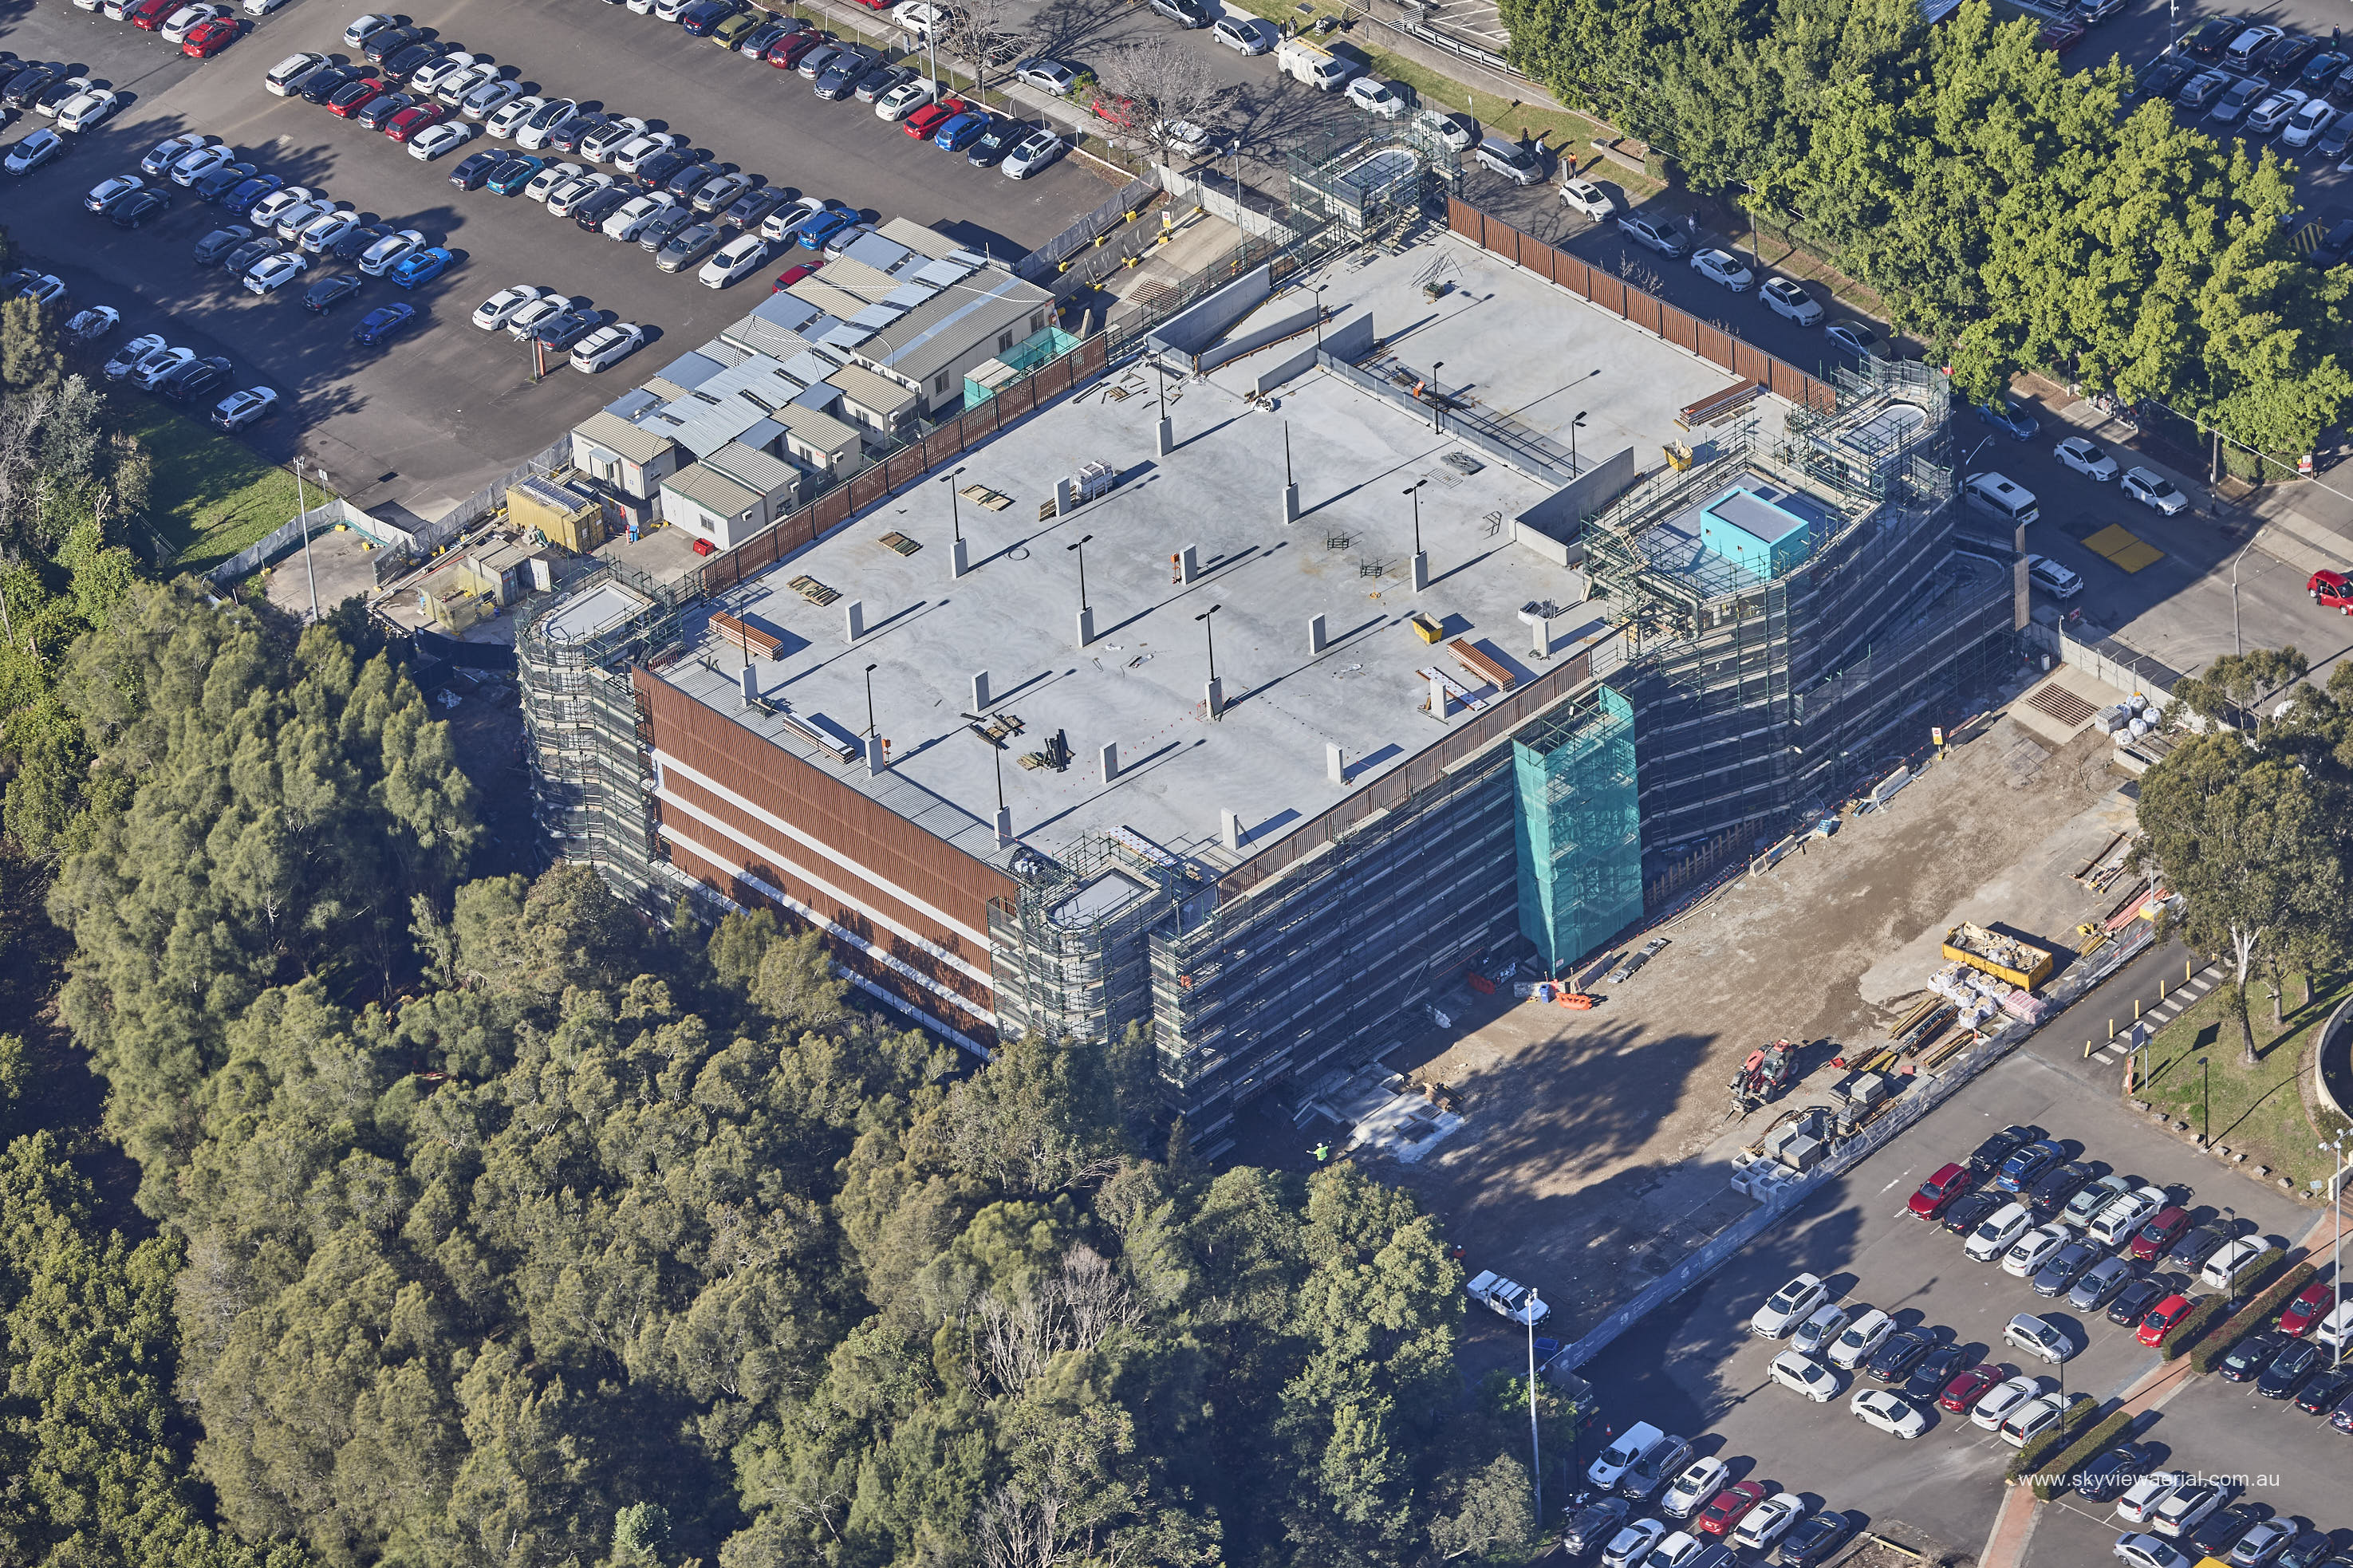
(1998, 496)
(1624, 1454)
(1510, 159)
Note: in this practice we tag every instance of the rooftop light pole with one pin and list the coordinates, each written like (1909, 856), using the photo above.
(955, 516)
(1081, 548)
(870, 697)
(1209, 631)
(1435, 412)
(1414, 490)
(1574, 425)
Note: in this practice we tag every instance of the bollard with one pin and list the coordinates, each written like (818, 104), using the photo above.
(2087, 1050)
(2135, 1009)
(2112, 1028)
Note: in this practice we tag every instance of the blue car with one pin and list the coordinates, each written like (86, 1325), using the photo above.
(241, 197)
(2028, 1166)
(421, 266)
(2014, 423)
(961, 131)
(382, 324)
(823, 227)
(513, 174)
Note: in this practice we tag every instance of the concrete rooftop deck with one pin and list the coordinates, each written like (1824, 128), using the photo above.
(1140, 684)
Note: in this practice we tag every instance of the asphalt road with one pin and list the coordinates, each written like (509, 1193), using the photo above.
(430, 419)
(1693, 1368)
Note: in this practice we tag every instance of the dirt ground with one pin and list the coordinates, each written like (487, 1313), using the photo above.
(1597, 1143)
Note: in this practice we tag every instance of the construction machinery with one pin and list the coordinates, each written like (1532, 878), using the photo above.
(1763, 1077)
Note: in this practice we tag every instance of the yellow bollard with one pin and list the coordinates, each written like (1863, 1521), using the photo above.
(2087, 1050)
(2187, 972)
(2112, 1028)
(2135, 1009)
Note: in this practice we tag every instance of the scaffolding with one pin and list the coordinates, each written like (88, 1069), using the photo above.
(1069, 955)
(1578, 830)
(1368, 175)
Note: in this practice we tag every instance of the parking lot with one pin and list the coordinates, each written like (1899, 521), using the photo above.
(1693, 1368)
(434, 416)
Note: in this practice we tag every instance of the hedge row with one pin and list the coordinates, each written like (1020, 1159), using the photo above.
(2254, 1314)
(2084, 1449)
(2194, 1322)
(2029, 1460)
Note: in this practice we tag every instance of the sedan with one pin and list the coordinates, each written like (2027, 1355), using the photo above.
(905, 100)
(1816, 1541)
(2111, 1472)
(2017, 425)
(2058, 1275)
(2244, 1361)
(2161, 1318)
(2085, 458)
(2289, 1368)
(2260, 1544)
(383, 324)
(2141, 1500)
(533, 133)
(414, 120)
(1047, 74)
(156, 366)
(2099, 1284)
(502, 121)
(239, 261)
(499, 309)
(2086, 1206)
(421, 267)
(562, 331)
(208, 38)
(89, 326)
(217, 185)
(1885, 1412)
(430, 78)
(2309, 1307)
(959, 132)
(2148, 1551)
(132, 356)
(1643, 232)
(2325, 1390)
(220, 242)
(1722, 267)
(273, 272)
(1033, 154)
(2133, 1302)
(365, 27)
(239, 409)
(689, 246)
(138, 209)
(328, 292)
(2154, 491)
(719, 193)
(2304, 127)
(2224, 1528)
(32, 152)
(1243, 35)
(1939, 1192)
(183, 21)
(475, 168)
(106, 193)
(607, 346)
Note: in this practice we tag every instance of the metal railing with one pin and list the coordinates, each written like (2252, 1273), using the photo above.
(1039, 265)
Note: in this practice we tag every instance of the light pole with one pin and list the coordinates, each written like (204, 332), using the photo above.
(1414, 490)
(2205, 1103)
(955, 515)
(302, 506)
(1209, 631)
(1434, 411)
(1536, 1458)
(870, 697)
(1081, 548)
(1319, 316)
(2236, 646)
(2336, 1148)
(1573, 426)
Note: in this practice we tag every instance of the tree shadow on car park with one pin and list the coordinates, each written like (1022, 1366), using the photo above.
(1062, 28)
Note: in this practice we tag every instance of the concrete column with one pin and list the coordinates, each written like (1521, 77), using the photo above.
(1421, 570)
(959, 557)
(1229, 829)
(1167, 442)
(1316, 641)
(750, 684)
(853, 619)
(1190, 560)
(1066, 496)
(1539, 635)
(1214, 693)
(1003, 825)
(874, 762)
(1334, 767)
(1437, 698)
(980, 691)
(1086, 625)
(1290, 504)
(1110, 760)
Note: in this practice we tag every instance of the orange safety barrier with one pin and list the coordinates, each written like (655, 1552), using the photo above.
(1577, 999)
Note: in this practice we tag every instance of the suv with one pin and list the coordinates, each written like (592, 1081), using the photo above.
(2054, 580)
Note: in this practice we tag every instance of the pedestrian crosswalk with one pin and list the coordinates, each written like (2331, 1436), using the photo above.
(2175, 998)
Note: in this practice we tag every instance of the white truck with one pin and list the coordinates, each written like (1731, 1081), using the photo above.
(1317, 67)
(1508, 1299)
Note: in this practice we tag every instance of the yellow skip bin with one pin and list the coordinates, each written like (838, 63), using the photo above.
(2123, 549)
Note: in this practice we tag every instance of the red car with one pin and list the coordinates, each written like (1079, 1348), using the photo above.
(1938, 1192)
(1970, 1387)
(2163, 1229)
(149, 15)
(346, 101)
(2311, 1304)
(2060, 36)
(2331, 591)
(930, 118)
(2161, 1319)
(792, 275)
(1731, 1505)
(786, 52)
(414, 119)
(207, 39)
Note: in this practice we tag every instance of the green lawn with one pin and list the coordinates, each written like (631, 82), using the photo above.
(212, 496)
(2258, 1109)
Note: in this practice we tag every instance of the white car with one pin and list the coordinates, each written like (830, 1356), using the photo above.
(1584, 196)
(600, 144)
(384, 254)
(634, 153)
(280, 79)
(276, 270)
(534, 311)
(131, 355)
(2153, 490)
(545, 182)
(1033, 154)
(89, 326)
(2053, 578)
(607, 346)
(572, 192)
(533, 133)
(918, 17)
(2032, 1419)
(785, 220)
(490, 96)
(2148, 1552)
(2317, 116)
(1243, 35)
(33, 151)
(2085, 458)
(1788, 298)
(502, 121)
(2226, 1267)
(264, 213)
(1377, 97)
(190, 167)
(239, 409)
(454, 90)
(629, 219)
(2002, 1398)
(2275, 110)
(2030, 1252)
(321, 233)
(1675, 1550)
(1854, 337)
(2139, 1505)
(2189, 1505)
(300, 216)
(1861, 1338)
(183, 21)
(2114, 1225)
(905, 98)
(437, 139)
(2336, 1328)
(738, 258)
(499, 310)
(1803, 1374)
(261, 7)
(93, 106)
(1787, 1307)
(1690, 1491)
(1045, 75)
(156, 366)
(1885, 1412)
(47, 287)
(427, 82)
(1450, 129)
(1821, 1326)
(1769, 1520)
(112, 189)
(1633, 1544)
(1722, 267)
(365, 27)
(1992, 1238)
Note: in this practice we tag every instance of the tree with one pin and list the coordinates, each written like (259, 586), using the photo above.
(1170, 87)
(2252, 843)
(1491, 1516)
(29, 356)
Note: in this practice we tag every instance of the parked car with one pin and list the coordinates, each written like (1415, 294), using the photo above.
(383, 324)
(1787, 1307)
(1938, 1193)
(2160, 1319)
(2243, 1361)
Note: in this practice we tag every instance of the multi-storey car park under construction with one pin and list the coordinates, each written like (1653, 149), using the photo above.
(1130, 736)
